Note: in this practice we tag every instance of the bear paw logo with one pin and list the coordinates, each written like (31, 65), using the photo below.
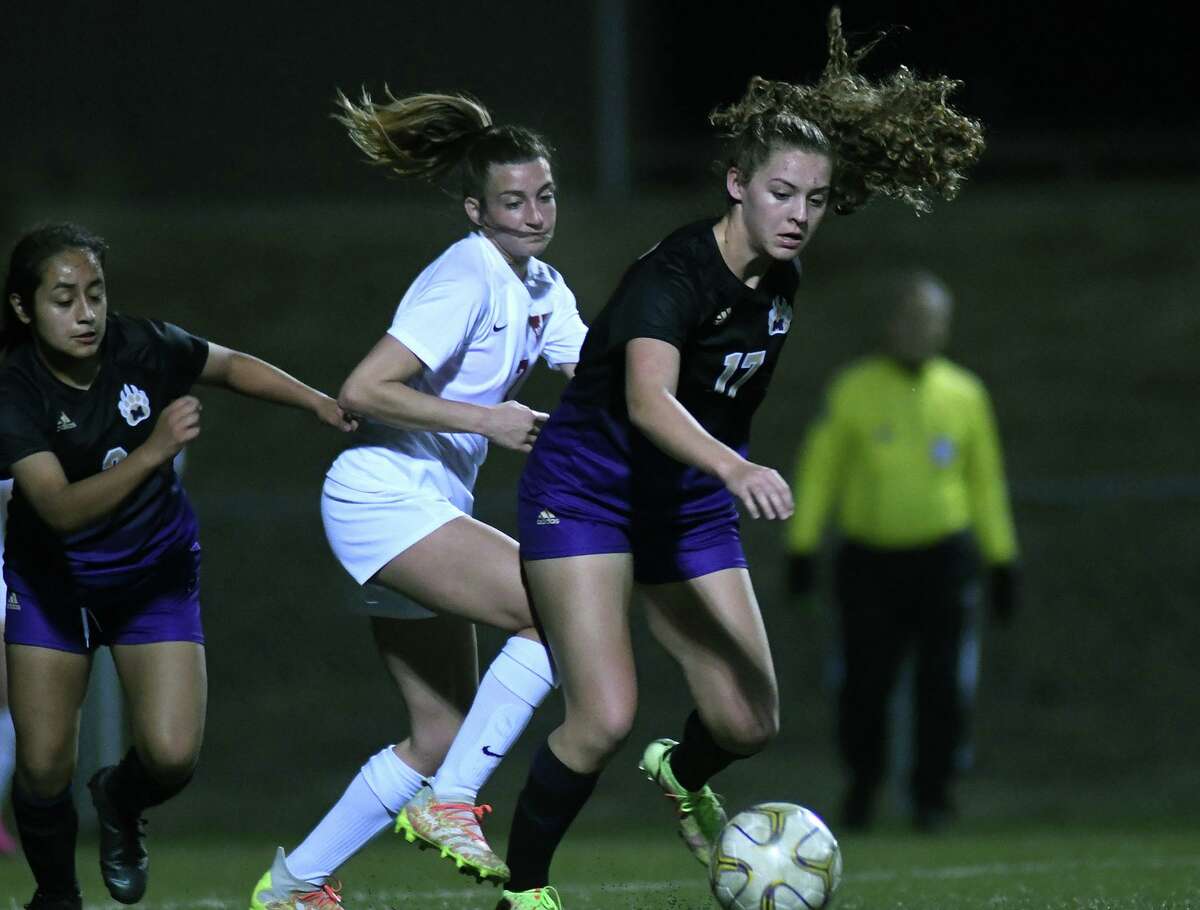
(779, 320)
(133, 405)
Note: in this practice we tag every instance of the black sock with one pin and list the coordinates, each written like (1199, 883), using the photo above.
(697, 757)
(133, 789)
(552, 797)
(48, 829)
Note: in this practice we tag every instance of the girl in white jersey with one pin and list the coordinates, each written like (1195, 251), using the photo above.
(432, 393)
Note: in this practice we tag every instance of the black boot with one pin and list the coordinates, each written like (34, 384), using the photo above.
(124, 864)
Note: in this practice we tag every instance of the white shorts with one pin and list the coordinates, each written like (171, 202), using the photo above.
(367, 531)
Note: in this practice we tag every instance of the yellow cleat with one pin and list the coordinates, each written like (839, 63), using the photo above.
(701, 815)
(278, 889)
(533, 899)
(453, 830)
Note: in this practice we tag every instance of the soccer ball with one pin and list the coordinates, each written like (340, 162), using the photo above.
(775, 855)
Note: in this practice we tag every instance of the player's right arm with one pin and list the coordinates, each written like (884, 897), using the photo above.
(68, 507)
(651, 380)
(378, 388)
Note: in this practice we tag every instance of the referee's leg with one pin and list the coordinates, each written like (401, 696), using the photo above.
(950, 576)
(874, 636)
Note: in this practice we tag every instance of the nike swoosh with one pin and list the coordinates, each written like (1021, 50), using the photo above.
(487, 751)
(497, 328)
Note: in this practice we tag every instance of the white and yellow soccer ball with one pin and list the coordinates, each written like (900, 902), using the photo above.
(775, 856)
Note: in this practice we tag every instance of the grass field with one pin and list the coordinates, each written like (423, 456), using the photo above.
(1042, 868)
(1077, 307)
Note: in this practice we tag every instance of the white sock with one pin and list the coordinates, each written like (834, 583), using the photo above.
(518, 680)
(8, 751)
(376, 795)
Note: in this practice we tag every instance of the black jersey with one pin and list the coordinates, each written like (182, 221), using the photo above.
(145, 365)
(729, 336)
(589, 459)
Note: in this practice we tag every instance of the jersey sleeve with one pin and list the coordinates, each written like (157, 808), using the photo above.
(23, 430)
(184, 354)
(565, 333)
(658, 301)
(435, 319)
(991, 516)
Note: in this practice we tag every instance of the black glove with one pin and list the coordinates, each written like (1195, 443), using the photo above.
(1004, 593)
(801, 575)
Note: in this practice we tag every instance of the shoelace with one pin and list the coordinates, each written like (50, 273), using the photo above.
(132, 835)
(687, 803)
(325, 896)
(459, 811)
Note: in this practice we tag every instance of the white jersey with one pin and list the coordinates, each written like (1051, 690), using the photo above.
(477, 329)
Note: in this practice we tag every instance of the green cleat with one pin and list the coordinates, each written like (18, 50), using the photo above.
(453, 830)
(533, 899)
(701, 815)
(278, 889)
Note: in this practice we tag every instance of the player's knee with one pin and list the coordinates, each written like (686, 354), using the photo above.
(171, 763)
(753, 732)
(604, 730)
(45, 773)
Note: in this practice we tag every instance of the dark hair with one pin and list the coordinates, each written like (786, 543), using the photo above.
(26, 264)
(429, 135)
(898, 137)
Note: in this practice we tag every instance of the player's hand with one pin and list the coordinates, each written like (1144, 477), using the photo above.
(330, 413)
(177, 425)
(514, 426)
(762, 490)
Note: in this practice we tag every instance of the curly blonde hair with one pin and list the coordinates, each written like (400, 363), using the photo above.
(430, 135)
(898, 137)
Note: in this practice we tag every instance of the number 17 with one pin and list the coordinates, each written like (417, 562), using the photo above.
(749, 362)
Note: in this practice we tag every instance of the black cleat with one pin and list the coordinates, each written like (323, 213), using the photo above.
(43, 901)
(124, 864)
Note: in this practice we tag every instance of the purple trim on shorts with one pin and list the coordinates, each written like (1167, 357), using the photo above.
(164, 606)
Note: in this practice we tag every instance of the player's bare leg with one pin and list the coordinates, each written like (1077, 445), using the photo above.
(433, 662)
(166, 688)
(712, 627)
(472, 570)
(594, 655)
(46, 692)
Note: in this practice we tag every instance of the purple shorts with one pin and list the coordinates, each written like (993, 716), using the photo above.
(664, 551)
(162, 606)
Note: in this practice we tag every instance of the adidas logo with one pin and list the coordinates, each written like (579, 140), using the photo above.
(64, 422)
(14, 602)
(546, 517)
(723, 315)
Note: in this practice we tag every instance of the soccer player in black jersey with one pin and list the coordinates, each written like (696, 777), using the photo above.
(102, 545)
(634, 480)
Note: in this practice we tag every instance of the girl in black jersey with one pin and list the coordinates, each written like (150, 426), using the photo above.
(633, 481)
(102, 545)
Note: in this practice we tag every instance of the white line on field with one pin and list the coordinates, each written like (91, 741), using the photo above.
(590, 891)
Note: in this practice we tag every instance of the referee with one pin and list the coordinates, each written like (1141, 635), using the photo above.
(906, 456)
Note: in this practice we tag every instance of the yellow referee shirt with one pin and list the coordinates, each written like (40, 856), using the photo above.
(906, 458)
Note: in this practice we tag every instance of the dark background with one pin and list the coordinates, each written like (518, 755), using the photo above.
(197, 139)
(171, 100)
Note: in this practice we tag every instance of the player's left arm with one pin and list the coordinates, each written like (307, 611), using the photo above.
(991, 510)
(986, 484)
(565, 334)
(256, 378)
